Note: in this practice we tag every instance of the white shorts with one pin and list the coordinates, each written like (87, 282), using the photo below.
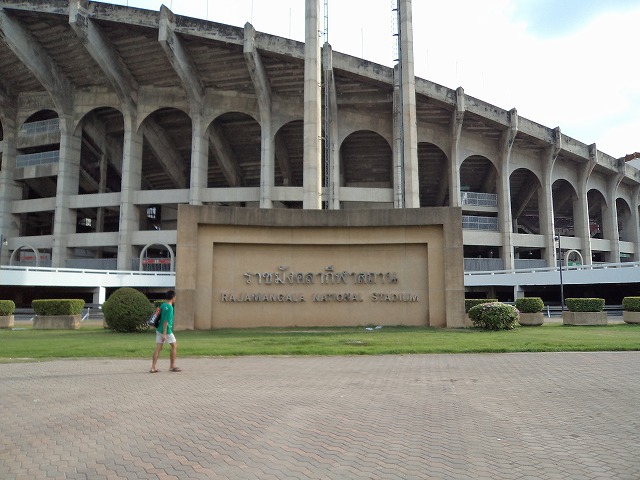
(170, 338)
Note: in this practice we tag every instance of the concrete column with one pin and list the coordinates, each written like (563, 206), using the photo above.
(312, 151)
(331, 136)
(131, 182)
(99, 295)
(398, 140)
(504, 193)
(65, 218)
(610, 218)
(10, 191)
(581, 227)
(199, 160)
(263, 93)
(545, 207)
(409, 117)
(267, 162)
(635, 221)
(457, 120)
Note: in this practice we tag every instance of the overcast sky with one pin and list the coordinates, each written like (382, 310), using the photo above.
(568, 63)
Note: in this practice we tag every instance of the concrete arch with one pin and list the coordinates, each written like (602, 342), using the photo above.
(433, 167)
(28, 115)
(168, 247)
(596, 204)
(478, 174)
(626, 225)
(166, 152)
(526, 195)
(35, 251)
(39, 115)
(89, 110)
(289, 146)
(377, 172)
(148, 113)
(346, 130)
(235, 146)
(565, 199)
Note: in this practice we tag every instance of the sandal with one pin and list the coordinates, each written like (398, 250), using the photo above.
(154, 370)
(175, 369)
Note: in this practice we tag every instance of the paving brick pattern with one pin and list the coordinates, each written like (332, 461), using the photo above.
(507, 416)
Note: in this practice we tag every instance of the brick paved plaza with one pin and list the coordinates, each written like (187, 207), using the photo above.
(505, 416)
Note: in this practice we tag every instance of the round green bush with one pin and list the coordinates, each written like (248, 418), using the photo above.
(631, 304)
(127, 310)
(494, 316)
(585, 304)
(469, 303)
(7, 307)
(529, 304)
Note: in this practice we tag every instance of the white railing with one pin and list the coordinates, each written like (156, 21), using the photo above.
(478, 199)
(42, 126)
(472, 222)
(41, 158)
(594, 267)
(90, 271)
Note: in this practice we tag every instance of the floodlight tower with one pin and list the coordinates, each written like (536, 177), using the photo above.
(312, 151)
(405, 132)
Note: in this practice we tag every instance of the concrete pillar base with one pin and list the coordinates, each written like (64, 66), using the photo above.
(57, 322)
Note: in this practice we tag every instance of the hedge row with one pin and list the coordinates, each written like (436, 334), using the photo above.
(65, 306)
(585, 304)
(7, 307)
(529, 304)
(631, 304)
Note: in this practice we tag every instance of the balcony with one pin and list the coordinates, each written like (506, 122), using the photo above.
(487, 224)
(476, 199)
(36, 159)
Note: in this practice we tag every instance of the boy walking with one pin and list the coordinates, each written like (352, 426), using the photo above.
(164, 333)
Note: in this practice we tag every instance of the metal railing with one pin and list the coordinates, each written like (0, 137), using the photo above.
(150, 264)
(92, 263)
(472, 222)
(42, 126)
(482, 264)
(595, 266)
(478, 199)
(40, 158)
(529, 263)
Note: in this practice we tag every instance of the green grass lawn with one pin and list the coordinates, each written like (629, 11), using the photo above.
(97, 342)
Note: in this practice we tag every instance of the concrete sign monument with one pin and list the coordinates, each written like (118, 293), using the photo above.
(248, 267)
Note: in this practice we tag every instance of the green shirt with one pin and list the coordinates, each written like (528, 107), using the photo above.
(166, 315)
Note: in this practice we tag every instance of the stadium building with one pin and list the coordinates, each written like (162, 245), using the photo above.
(111, 117)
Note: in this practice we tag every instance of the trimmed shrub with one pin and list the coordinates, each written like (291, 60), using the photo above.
(631, 304)
(585, 304)
(7, 307)
(472, 302)
(127, 310)
(529, 304)
(63, 306)
(494, 316)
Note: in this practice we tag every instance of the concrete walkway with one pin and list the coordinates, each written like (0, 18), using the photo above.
(505, 416)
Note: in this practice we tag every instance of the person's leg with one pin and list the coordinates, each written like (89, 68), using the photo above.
(156, 353)
(172, 357)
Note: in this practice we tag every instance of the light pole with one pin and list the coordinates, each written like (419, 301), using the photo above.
(3, 243)
(557, 237)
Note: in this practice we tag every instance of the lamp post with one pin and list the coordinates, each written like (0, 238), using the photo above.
(557, 237)
(3, 243)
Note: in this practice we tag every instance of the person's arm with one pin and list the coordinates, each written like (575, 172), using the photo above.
(165, 324)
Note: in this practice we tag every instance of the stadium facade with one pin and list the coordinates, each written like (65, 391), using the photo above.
(113, 116)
